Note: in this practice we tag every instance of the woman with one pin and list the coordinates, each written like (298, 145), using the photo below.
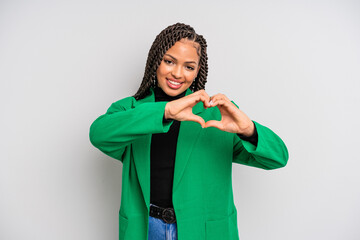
(177, 145)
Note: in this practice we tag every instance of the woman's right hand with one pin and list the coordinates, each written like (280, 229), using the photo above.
(181, 109)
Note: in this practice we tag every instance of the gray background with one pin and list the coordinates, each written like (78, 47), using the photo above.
(290, 65)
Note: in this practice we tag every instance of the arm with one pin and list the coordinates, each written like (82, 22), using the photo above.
(270, 152)
(253, 138)
(122, 124)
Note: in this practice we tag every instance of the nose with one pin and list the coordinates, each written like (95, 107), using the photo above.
(176, 71)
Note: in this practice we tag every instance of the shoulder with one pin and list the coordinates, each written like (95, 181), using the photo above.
(122, 104)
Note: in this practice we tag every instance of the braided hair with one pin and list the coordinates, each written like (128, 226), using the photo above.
(163, 42)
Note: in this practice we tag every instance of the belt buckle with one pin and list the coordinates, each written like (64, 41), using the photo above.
(168, 215)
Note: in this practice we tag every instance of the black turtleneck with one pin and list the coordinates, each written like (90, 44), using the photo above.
(162, 156)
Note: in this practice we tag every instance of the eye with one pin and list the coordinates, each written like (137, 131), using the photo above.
(190, 68)
(167, 61)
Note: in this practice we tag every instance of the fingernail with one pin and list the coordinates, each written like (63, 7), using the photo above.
(211, 102)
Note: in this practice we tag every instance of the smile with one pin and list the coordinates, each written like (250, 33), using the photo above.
(173, 84)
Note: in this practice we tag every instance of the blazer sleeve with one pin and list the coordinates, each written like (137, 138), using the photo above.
(270, 152)
(123, 123)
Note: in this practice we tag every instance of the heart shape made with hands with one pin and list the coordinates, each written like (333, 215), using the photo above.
(232, 118)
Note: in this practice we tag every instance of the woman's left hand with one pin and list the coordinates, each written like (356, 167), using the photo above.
(232, 119)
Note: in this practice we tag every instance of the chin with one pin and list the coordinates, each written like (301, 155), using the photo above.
(174, 92)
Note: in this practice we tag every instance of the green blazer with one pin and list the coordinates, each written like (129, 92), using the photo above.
(202, 186)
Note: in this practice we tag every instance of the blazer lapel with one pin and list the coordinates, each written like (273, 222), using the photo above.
(141, 152)
(188, 135)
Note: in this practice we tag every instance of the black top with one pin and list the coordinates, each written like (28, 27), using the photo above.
(162, 156)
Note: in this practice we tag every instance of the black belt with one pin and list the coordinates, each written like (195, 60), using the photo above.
(166, 214)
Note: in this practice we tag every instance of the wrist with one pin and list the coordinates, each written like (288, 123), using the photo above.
(252, 139)
(167, 112)
(249, 131)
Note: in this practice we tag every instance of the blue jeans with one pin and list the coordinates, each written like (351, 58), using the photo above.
(160, 230)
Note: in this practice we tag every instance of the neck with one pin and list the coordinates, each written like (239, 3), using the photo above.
(161, 96)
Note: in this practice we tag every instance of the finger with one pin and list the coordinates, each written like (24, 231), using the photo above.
(214, 123)
(197, 119)
(205, 99)
(202, 92)
(191, 100)
(220, 102)
(220, 96)
(217, 97)
(201, 98)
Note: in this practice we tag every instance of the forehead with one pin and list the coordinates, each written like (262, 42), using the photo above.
(184, 50)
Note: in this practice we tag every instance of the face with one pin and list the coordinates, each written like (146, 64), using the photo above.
(178, 68)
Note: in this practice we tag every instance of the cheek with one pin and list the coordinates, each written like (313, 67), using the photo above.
(162, 70)
(191, 75)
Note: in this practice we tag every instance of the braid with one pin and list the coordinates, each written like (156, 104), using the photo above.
(162, 43)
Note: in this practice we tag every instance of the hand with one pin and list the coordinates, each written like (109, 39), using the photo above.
(181, 109)
(232, 119)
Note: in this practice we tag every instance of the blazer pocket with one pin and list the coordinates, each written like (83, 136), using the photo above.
(222, 229)
(123, 223)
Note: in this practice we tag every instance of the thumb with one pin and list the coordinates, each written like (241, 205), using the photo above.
(197, 119)
(213, 123)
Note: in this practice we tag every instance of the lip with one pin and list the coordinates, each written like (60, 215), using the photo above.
(173, 80)
(172, 86)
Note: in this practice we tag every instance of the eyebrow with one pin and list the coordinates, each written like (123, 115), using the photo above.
(176, 59)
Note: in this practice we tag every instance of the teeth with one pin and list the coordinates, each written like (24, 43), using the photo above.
(175, 83)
